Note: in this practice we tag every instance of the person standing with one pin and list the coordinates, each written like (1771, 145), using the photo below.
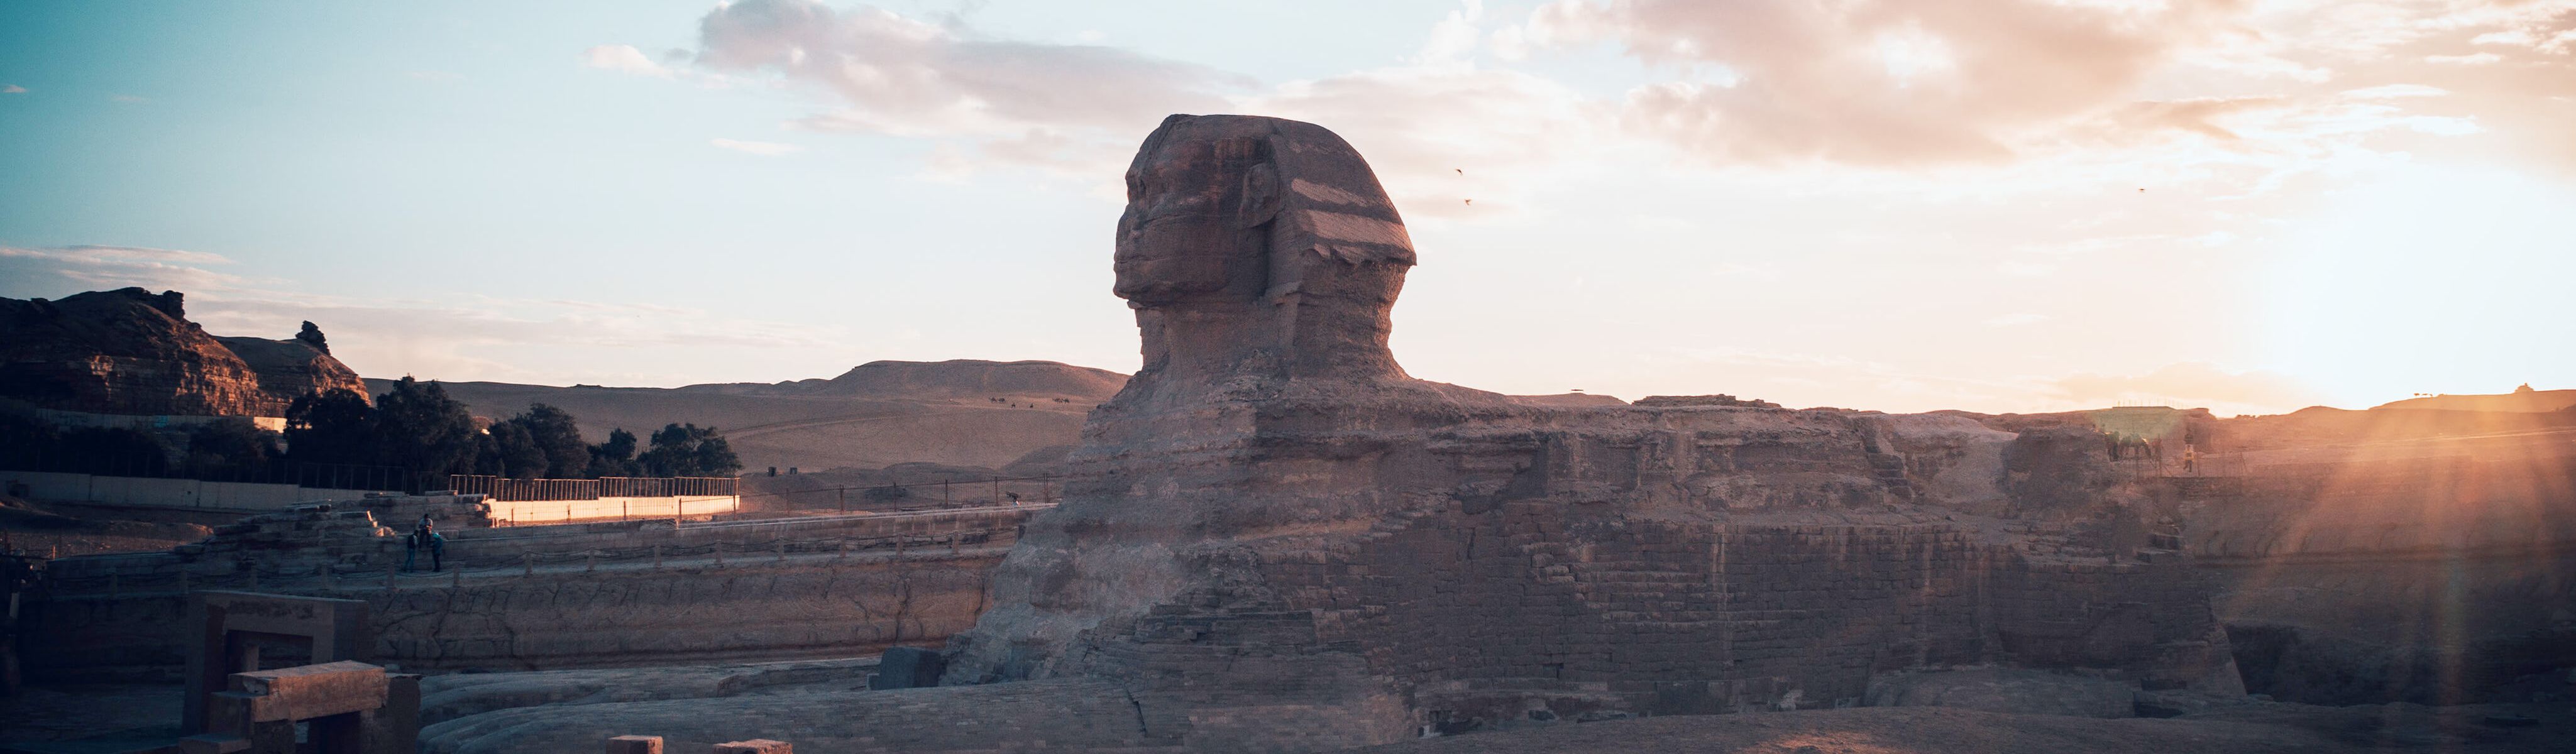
(412, 542)
(437, 546)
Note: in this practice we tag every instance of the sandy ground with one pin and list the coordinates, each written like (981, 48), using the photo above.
(66, 530)
(1934, 730)
(106, 711)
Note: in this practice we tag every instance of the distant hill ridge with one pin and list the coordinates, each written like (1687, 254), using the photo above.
(2521, 400)
(951, 379)
(876, 414)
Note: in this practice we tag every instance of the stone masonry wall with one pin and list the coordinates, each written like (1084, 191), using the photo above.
(752, 608)
(1541, 611)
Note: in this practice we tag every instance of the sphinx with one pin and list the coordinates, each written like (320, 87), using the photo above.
(1274, 539)
(1272, 491)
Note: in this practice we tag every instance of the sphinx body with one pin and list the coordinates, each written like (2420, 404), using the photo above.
(1273, 519)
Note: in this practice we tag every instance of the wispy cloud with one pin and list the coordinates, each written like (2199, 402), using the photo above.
(50, 270)
(624, 59)
(762, 148)
(13, 89)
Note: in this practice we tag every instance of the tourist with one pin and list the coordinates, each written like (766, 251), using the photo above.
(411, 544)
(437, 545)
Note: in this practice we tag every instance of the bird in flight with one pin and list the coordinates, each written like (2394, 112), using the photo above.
(1471, 201)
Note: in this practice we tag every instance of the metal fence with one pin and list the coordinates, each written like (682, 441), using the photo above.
(505, 489)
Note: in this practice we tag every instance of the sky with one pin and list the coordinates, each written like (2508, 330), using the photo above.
(1902, 205)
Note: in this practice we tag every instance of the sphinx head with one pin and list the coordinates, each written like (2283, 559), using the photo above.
(1258, 245)
(1237, 208)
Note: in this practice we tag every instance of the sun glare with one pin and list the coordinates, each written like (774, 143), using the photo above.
(2433, 279)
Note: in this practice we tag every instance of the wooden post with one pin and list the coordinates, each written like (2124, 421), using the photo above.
(943, 493)
(528, 563)
(997, 491)
(782, 549)
(845, 499)
(719, 553)
(657, 557)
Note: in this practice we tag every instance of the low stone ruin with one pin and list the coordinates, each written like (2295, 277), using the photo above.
(347, 708)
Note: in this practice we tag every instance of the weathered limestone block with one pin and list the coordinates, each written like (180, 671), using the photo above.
(635, 745)
(305, 692)
(755, 746)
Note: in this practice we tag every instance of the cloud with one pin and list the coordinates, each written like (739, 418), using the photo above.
(2482, 58)
(2191, 385)
(895, 75)
(13, 89)
(1438, 135)
(1878, 82)
(54, 271)
(2396, 91)
(762, 148)
(624, 59)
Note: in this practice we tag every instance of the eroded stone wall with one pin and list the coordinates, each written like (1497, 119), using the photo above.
(754, 608)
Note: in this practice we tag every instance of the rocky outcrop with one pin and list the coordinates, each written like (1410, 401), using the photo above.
(132, 352)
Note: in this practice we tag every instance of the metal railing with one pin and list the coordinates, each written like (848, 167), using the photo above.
(505, 489)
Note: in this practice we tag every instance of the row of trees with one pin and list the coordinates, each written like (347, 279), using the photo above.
(417, 427)
(232, 449)
(413, 436)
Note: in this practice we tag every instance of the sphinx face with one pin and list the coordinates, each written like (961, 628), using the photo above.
(1184, 233)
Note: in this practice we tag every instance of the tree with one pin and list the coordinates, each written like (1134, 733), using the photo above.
(28, 444)
(229, 448)
(508, 450)
(615, 457)
(689, 450)
(554, 434)
(417, 427)
(331, 427)
(114, 452)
